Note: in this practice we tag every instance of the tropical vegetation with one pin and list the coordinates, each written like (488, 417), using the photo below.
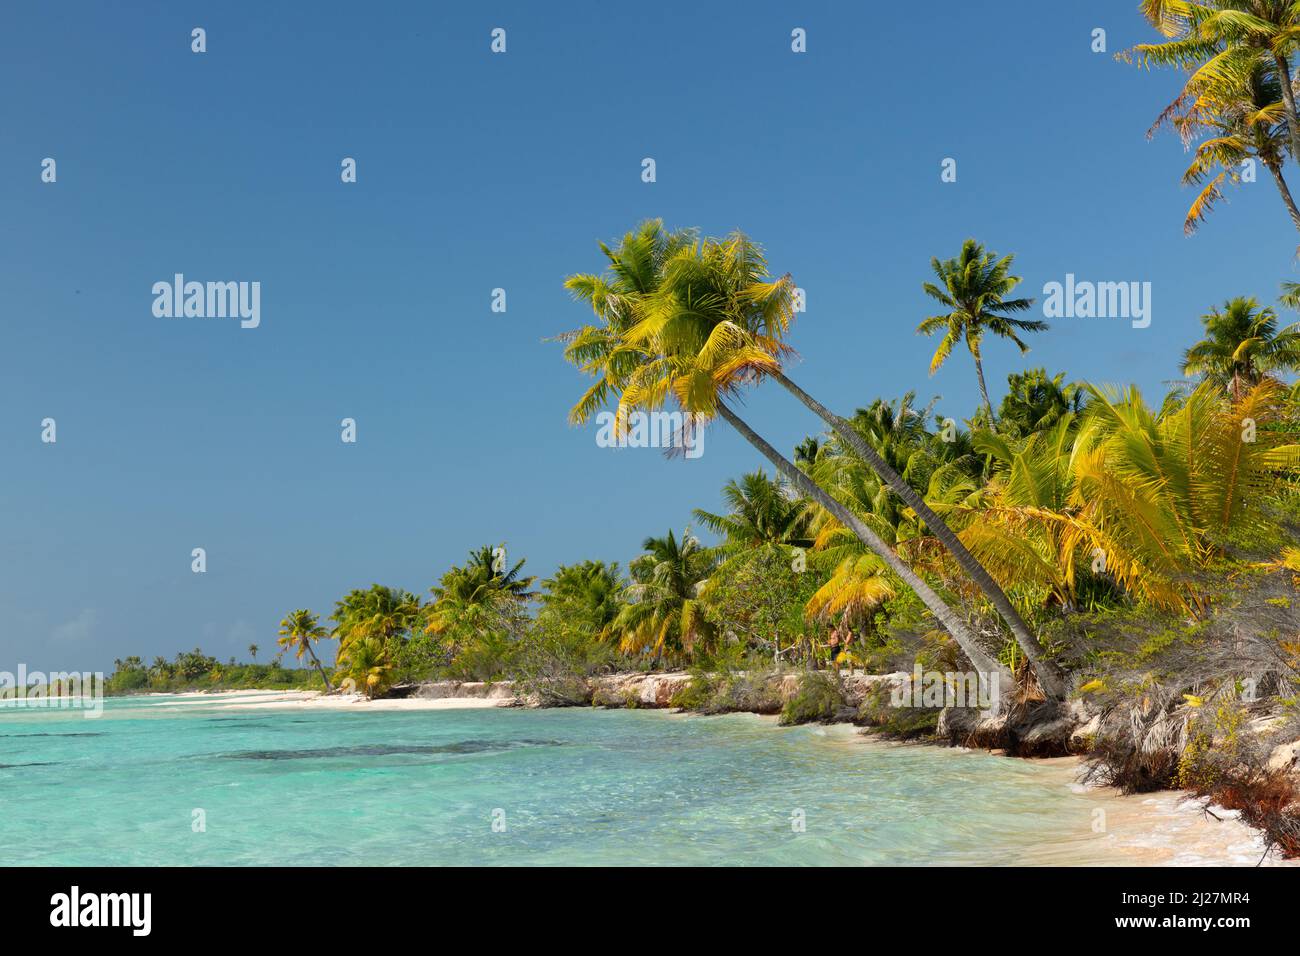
(1076, 539)
(893, 535)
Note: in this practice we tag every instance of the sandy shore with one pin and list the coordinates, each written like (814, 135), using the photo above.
(314, 700)
(1165, 828)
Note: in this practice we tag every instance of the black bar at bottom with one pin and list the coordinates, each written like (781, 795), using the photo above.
(388, 905)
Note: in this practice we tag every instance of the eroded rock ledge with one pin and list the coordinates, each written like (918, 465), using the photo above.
(632, 689)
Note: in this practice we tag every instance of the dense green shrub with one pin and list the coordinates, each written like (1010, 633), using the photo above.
(820, 697)
(878, 712)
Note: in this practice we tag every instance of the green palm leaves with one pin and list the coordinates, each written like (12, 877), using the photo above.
(681, 319)
(1242, 344)
(1239, 92)
(483, 600)
(696, 320)
(1147, 499)
(1035, 402)
(372, 625)
(664, 617)
(591, 592)
(974, 288)
(368, 664)
(763, 511)
(299, 630)
(380, 612)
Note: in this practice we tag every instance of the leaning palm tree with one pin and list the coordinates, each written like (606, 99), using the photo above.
(974, 289)
(1050, 679)
(696, 322)
(252, 651)
(1226, 38)
(1242, 117)
(1242, 344)
(299, 630)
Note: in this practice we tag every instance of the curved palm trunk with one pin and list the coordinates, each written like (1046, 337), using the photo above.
(984, 662)
(1050, 678)
(320, 670)
(1288, 98)
(1285, 190)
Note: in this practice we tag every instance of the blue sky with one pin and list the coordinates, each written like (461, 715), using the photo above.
(478, 171)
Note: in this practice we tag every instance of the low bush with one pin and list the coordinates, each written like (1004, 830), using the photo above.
(820, 698)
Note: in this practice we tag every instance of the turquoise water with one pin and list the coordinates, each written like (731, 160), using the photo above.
(575, 786)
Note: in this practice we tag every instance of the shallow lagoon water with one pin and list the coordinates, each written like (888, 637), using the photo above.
(571, 787)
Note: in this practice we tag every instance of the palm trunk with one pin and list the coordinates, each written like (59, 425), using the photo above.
(320, 670)
(984, 391)
(1282, 187)
(984, 663)
(1049, 675)
(1288, 98)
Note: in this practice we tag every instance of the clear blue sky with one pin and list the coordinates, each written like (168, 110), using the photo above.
(478, 171)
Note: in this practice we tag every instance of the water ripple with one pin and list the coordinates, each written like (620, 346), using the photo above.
(388, 750)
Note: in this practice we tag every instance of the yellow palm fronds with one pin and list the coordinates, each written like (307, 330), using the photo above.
(859, 585)
(1142, 498)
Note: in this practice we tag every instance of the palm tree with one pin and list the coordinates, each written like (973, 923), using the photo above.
(663, 613)
(699, 320)
(1244, 119)
(947, 617)
(924, 461)
(1242, 344)
(762, 512)
(1035, 402)
(858, 581)
(160, 670)
(1050, 679)
(766, 523)
(805, 453)
(858, 584)
(252, 651)
(483, 597)
(592, 591)
(378, 611)
(1226, 38)
(485, 571)
(1290, 296)
(1005, 522)
(899, 433)
(367, 662)
(299, 630)
(1155, 494)
(974, 288)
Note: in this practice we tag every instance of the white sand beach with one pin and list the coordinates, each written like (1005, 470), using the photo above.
(314, 700)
